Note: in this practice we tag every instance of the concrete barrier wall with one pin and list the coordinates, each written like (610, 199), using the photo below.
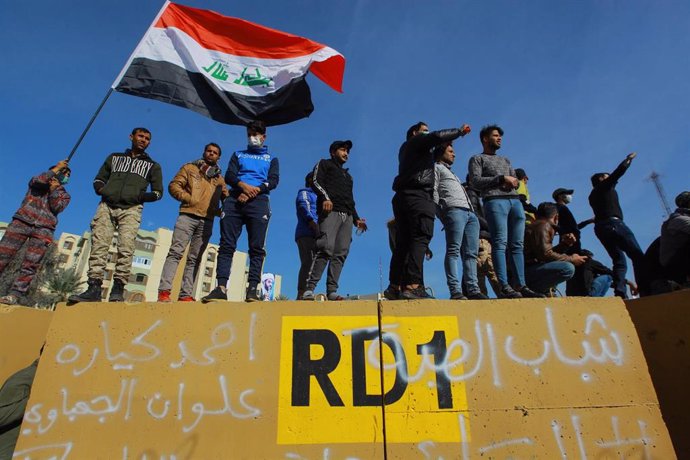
(663, 328)
(22, 333)
(563, 378)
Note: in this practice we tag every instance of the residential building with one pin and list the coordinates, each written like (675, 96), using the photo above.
(150, 251)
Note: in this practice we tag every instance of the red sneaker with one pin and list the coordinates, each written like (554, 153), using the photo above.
(164, 296)
(186, 298)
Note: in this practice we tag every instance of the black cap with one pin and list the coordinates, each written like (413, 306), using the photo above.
(521, 174)
(338, 144)
(683, 200)
(561, 191)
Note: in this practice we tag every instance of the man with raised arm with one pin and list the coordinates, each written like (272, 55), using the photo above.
(414, 209)
(615, 236)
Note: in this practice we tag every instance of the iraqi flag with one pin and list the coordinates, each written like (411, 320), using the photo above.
(228, 69)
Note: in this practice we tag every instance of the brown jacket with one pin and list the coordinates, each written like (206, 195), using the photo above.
(197, 194)
(539, 244)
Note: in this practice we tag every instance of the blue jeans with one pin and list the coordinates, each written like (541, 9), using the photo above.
(542, 277)
(506, 219)
(600, 286)
(462, 241)
(619, 240)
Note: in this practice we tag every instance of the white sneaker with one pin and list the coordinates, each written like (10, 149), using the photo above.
(9, 299)
(308, 295)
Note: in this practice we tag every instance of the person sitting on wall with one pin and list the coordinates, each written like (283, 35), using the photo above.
(674, 251)
(547, 266)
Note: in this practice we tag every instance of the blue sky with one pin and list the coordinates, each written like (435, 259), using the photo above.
(575, 85)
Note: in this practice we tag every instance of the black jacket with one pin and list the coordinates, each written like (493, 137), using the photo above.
(123, 179)
(604, 199)
(416, 162)
(333, 183)
(581, 282)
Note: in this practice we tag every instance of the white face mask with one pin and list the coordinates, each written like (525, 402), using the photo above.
(255, 141)
(567, 198)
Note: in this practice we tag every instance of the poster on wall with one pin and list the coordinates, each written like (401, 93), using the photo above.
(268, 280)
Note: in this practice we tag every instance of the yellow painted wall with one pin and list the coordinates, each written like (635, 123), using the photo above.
(663, 327)
(22, 333)
(561, 378)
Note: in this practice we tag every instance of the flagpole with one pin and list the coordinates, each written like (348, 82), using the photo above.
(88, 126)
(117, 80)
(134, 53)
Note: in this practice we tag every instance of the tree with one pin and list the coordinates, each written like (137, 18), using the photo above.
(62, 283)
(50, 284)
(282, 297)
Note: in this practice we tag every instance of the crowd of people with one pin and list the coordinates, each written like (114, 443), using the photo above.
(492, 229)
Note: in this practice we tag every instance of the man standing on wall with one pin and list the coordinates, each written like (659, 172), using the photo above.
(615, 236)
(337, 215)
(306, 231)
(122, 183)
(251, 174)
(496, 180)
(460, 224)
(414, 209)
(199, 187)
(35, 221)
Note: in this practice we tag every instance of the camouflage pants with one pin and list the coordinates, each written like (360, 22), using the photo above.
(485, 267)
(103, 227)
(15, 236)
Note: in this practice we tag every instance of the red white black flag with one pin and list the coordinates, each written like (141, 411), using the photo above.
(227, 69)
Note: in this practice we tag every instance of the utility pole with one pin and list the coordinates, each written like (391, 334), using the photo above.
(656, 178)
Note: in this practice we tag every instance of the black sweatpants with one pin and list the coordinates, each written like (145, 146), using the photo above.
(414, 212)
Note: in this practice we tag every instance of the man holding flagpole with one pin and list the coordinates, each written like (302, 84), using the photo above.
(252, 174)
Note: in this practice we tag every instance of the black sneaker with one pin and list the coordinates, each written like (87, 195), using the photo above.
(457, 296)
(416, 293)
(215, 295)
(528, 293)
(92, 293)
(477, 296)
(508, 292)
(117, 293)
(252, 295)
(391, 293)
